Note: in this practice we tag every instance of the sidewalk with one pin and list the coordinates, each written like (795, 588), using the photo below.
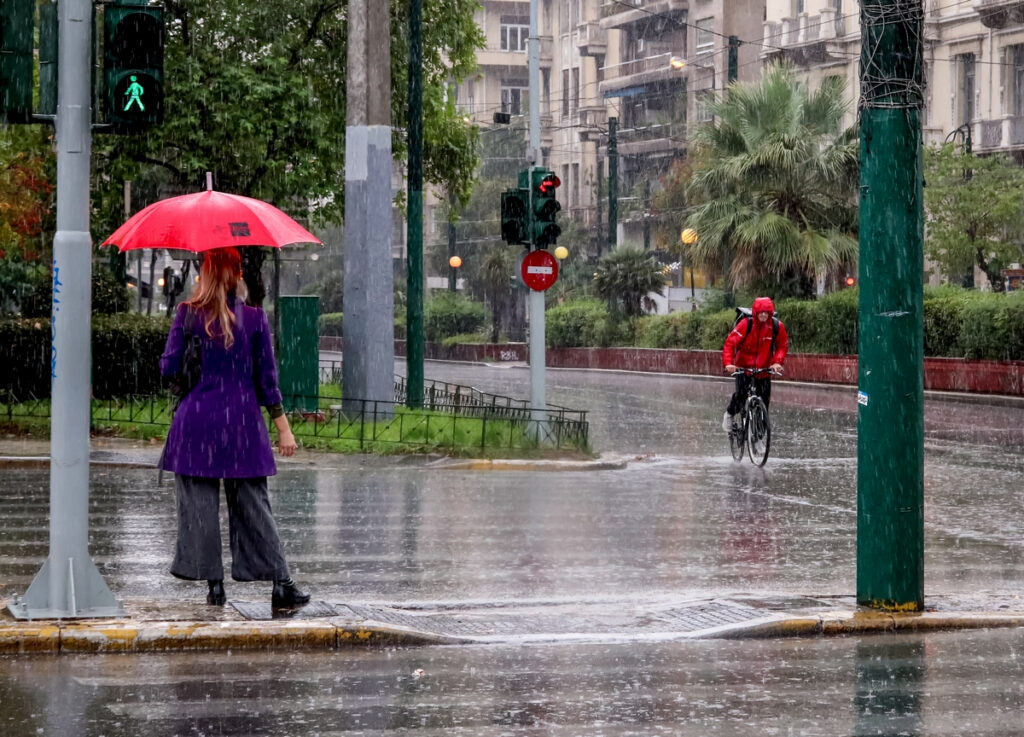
(170, 626)
(152, 625)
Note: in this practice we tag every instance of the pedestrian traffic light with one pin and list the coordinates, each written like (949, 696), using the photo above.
(545, 230)
(513, 216)
(133, 65)
(851, 281)
(17, 30)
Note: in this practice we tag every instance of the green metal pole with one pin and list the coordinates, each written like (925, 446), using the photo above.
(734, 47)
(890, 427)
(414, 283)
(613, 183)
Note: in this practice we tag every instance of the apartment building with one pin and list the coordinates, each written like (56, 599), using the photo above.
(973, 64)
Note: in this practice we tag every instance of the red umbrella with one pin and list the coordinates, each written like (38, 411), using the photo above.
(207, 220)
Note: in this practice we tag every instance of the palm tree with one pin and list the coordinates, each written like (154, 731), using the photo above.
(775, 183)
(629, 275)
(497, 273)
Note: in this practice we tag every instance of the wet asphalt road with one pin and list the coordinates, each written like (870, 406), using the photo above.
(940, 685)
(682, 520)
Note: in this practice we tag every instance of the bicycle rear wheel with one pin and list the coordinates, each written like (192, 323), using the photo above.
(759, 431)
(737, 439)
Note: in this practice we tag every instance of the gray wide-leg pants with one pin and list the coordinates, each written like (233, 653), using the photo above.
(256, 550)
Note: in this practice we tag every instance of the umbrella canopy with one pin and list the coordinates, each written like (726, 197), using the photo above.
(207, 220)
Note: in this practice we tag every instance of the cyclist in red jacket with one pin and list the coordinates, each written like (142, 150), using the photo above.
(756, 342)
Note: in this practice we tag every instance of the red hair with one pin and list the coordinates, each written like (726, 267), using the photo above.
(220, 273)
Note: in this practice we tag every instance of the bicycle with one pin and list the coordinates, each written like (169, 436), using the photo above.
(754, 430)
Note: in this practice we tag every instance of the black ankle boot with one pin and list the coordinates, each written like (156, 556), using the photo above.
(287, 595)
(216, 597)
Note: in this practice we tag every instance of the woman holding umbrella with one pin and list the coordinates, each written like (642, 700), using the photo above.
(218, 433)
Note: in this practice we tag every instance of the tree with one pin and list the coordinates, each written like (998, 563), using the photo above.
(255, 93)
(629, 275)
(27, 200)
(974, 215)
(774, 189)
(496, 271)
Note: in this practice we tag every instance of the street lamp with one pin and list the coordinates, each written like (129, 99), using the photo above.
(455, 263)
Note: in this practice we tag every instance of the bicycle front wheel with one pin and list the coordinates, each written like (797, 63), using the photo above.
(737, 440)
(759, 431)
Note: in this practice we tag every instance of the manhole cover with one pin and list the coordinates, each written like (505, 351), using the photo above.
(261, 610)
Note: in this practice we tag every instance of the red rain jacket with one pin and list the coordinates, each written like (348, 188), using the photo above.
(753, 349)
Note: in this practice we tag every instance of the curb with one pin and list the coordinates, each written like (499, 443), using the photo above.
(122, 636)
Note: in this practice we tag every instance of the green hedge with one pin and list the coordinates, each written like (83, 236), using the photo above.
(126, 351)
(958, 323)
(447, 313)
(330, 324)
(582, 322)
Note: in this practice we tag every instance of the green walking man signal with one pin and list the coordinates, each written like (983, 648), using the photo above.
(133, 65)
(528, 212)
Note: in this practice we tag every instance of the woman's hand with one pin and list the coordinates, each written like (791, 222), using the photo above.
(285, 438)
(286, 443)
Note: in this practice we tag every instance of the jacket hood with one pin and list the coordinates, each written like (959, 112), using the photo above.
(763, 304)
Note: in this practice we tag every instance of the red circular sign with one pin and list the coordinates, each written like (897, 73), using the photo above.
(539, 270)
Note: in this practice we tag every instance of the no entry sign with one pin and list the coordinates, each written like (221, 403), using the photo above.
(540, 270)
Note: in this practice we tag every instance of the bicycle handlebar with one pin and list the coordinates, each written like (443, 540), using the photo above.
(741, 371)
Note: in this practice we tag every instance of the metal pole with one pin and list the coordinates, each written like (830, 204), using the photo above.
(890, 426)
(414, 345)
(538, 352)
(452, 273)
(368, 370)
(69, 584)
(613, 183)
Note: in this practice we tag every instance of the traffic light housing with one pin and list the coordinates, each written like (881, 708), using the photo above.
(133, 65)
(17, 31)
(167, 281)
(544, 206)
(513, 216)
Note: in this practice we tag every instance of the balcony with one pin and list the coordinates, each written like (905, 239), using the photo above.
(657, 138)
(593, 123)
(591, 39)
(616, 15)
(806, 39)
(999, 13)
(1002, 134)
(638, 72)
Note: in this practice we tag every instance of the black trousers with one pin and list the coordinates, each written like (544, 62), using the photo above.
(762, 386)
(256, 550)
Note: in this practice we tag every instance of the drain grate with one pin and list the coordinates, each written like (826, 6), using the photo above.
(707, 615)
(261, 610)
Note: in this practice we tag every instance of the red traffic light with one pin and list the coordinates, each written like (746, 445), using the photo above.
(850, 281)
(550, 182)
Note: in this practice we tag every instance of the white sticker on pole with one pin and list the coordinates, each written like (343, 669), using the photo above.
(862, 398)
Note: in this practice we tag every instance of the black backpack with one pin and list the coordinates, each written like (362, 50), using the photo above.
(746, 313)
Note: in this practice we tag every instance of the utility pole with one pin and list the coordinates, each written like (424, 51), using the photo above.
(69, 584)
(538, 351)
(368, 368)
(890, 424)
(414, 225)
(453, 200)
(613, 183)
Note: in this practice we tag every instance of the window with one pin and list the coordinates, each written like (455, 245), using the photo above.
(703, 111)
(837, 5)
(575, 89)
(515, 32)
(705, 34)
(798, 7)
(965, 85)
(575, 191)
(1017, 82)
(565, 92)
(513, 94)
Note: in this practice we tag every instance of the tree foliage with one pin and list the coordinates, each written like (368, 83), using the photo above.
(974, 215)
(628, 275)
(255, 93)
(774, 187)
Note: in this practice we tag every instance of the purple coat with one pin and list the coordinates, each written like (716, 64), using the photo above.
(219, 430)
